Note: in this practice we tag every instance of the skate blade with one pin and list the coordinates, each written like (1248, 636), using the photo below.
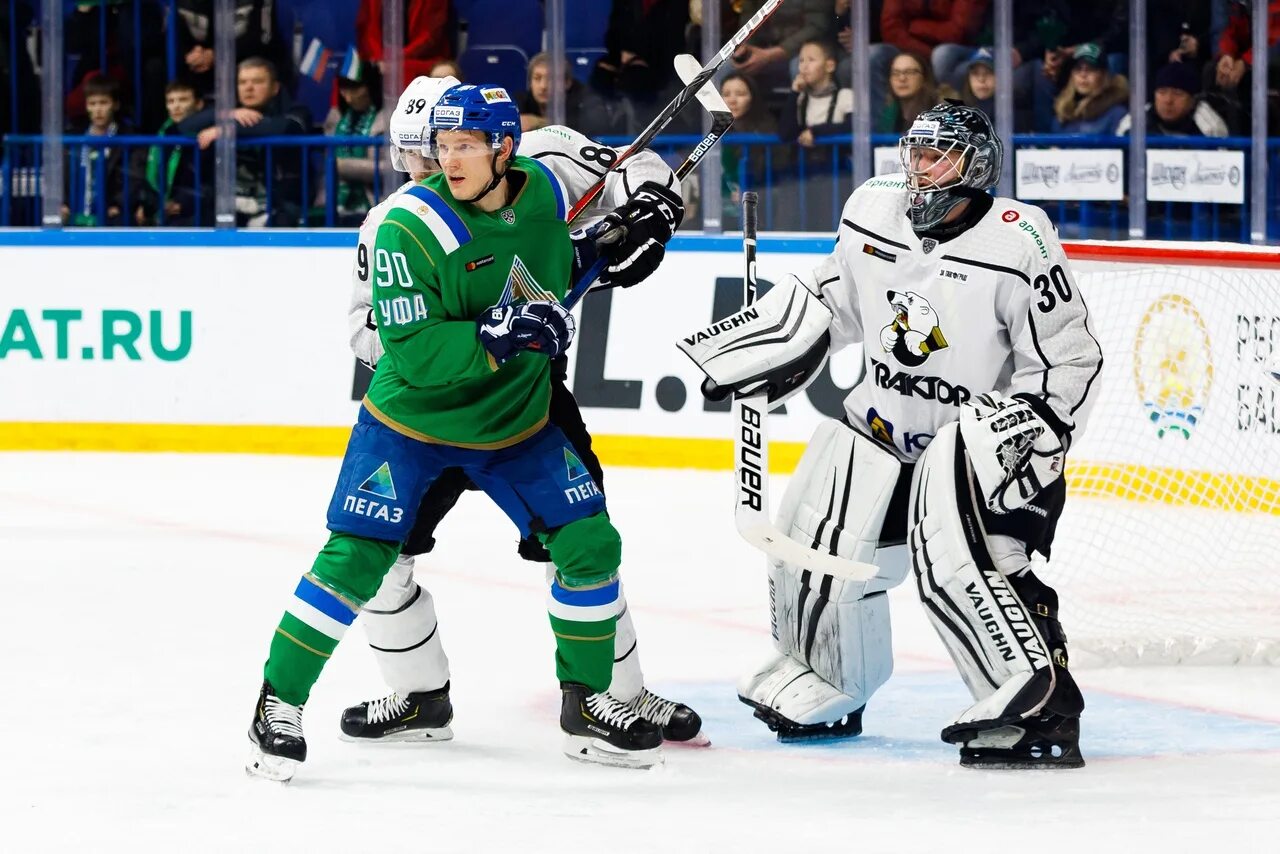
(1063, 763)
(267, 767)
(699, 740)
(428, 735)
(581, 748)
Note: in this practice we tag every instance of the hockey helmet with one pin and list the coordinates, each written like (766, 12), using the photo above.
(484, 108)
(960, 134)
(407, 128)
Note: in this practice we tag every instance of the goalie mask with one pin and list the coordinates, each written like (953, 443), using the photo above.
(951, 153)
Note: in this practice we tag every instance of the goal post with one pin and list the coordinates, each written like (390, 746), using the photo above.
(1168, 550)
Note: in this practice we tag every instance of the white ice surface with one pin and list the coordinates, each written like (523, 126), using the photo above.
(141, 592)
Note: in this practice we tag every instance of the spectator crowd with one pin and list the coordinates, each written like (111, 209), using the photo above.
(790, 82)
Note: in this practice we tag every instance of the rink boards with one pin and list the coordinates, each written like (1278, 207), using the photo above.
(172, 341)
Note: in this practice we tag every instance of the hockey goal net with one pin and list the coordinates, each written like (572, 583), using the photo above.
(1169, 548)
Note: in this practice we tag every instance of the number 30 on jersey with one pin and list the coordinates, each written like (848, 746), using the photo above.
(391, 269)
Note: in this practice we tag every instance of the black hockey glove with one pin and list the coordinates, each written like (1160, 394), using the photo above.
(635, 235)
(544, 327)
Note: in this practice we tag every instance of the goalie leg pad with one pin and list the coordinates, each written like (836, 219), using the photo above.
(400, 622)
(832, 633)
(984, 623)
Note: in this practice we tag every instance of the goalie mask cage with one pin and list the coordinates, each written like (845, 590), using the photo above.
(1168, 550)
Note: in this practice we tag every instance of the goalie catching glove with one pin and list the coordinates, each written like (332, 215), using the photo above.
(545, 327)
(633, 237)
(1015, 453)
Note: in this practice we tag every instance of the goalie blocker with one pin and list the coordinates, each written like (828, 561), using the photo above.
(969, 549)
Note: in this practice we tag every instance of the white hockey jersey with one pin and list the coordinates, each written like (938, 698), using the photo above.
(995, 308)
(577, 161)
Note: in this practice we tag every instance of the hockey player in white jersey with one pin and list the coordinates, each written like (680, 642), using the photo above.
(400, 620)
(979, 367)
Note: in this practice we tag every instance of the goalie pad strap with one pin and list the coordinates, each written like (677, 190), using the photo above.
(779, 343)
(983, 622)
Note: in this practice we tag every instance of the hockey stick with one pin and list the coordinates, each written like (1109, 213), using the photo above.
(721, 120)
(692, 87)
(751, 454)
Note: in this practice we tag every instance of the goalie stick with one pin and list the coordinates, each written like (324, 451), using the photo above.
(750, 417)
(687, 68)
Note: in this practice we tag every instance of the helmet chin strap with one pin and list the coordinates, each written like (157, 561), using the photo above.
(497, 179)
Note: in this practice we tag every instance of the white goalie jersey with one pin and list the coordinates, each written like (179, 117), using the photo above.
(576, 162)
(995, 308)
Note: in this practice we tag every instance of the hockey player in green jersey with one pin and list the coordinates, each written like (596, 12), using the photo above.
(468, 270)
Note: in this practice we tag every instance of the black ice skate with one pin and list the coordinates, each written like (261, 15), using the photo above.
(1047, 741)
(276, 735)
(422, 716)
(678, 721)
(788, 731)
(601, 728)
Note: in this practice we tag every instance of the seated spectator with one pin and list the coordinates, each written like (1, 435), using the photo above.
(257, 36)
(818, 106)
(1177, 109)
(743, 165)
(642, 39)
(169, 172)
(1094, 100)
(767, 56)
(95, 180)
(979, 90)
(912, 90)
(426, 35)
(879, 55)
(944, 30)
(88, 28)
(583, 109)
(447, 68)
(264, 110)
(358, 113)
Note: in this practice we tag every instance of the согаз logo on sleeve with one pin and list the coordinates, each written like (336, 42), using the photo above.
(914, 333)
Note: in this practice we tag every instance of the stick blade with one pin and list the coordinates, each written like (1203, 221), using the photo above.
(687, 67)
(779, 546)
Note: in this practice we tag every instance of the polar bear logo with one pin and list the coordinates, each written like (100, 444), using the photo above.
(914, 332)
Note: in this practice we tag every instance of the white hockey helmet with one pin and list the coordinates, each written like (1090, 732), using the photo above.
(407, 128)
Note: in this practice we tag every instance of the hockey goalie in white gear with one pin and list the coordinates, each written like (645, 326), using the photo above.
(978, 370)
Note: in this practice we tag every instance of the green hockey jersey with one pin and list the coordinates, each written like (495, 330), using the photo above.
(437, 265)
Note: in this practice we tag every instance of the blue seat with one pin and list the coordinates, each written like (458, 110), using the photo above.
(585, 22)
(502, 22)
(582, 60)
(504, 64)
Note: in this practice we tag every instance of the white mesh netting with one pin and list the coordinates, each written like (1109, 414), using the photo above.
(1169, 548)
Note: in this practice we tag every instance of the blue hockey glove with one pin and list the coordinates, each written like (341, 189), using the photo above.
(544, 327)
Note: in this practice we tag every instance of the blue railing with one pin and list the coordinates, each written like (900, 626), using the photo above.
(801, 189)
(108, 180)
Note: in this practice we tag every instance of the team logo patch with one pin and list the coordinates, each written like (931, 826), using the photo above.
(509, 216)
(380, 483)
(880, 428)
(573, 466)
(495, 95)
(472, 266)
(1009, 216)
(521, 285)
(928, 244)
(914, 332)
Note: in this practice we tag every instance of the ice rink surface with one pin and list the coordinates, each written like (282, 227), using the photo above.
(142, 591)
